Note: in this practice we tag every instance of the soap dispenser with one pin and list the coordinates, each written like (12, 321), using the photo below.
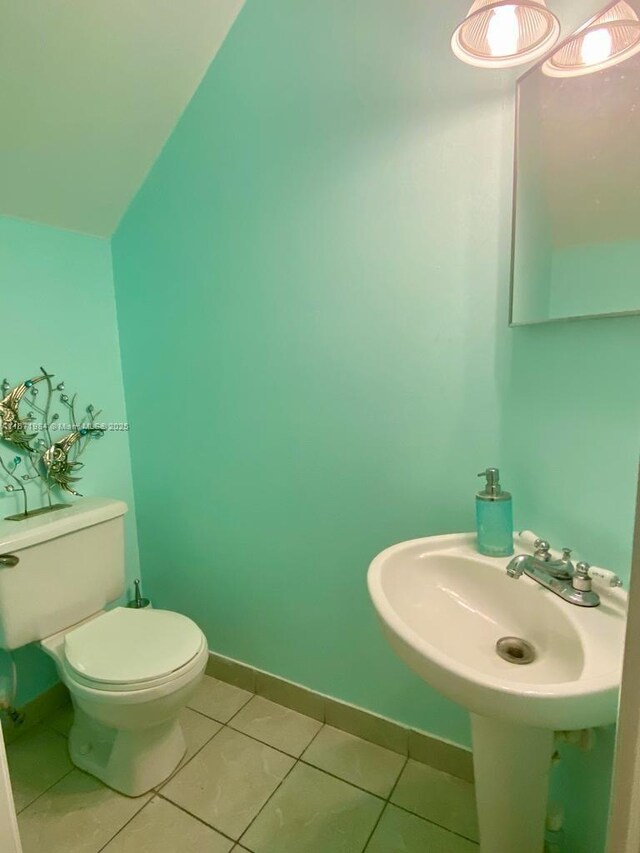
(494, 517)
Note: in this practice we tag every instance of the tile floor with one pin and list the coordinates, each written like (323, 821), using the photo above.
(256, 777)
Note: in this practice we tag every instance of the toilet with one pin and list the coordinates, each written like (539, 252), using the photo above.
(129, 671)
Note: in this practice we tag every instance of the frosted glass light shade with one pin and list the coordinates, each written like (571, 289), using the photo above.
(609, 39)
(505, 33)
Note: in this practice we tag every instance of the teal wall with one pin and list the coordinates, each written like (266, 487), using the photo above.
(58, 310)
(312, 293)
(312, 286)
(307, 294)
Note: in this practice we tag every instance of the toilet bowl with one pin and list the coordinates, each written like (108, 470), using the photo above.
(130, 673)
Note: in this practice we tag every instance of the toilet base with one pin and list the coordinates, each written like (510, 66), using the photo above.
(130, 761)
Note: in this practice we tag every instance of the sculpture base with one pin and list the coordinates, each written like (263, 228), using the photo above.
(23, 516)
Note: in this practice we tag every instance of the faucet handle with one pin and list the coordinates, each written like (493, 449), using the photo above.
(609, 577)
(542, 549)
(582, 578)
(566, 560)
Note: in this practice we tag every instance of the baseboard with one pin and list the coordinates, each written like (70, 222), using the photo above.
(35, 711)
(421, 746)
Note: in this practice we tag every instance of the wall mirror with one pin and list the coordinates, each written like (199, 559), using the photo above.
(576, 232)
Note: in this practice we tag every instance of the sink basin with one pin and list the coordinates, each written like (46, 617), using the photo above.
(443, 607)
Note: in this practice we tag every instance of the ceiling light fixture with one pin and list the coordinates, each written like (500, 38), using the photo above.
(506, 33)
(610, 38)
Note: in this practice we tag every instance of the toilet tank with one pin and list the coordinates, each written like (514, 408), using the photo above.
(70, 565)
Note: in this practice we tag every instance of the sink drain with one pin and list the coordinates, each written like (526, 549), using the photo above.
(515, 650)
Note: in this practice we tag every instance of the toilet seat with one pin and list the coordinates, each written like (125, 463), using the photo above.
(127, 649)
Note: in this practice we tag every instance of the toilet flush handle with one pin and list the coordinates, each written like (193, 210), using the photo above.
(8, 561)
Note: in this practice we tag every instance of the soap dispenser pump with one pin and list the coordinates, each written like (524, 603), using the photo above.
(494, 517)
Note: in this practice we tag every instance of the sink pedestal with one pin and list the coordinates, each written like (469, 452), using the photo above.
(511, 765)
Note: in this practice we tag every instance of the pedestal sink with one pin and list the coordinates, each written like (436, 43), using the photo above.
(443, 607)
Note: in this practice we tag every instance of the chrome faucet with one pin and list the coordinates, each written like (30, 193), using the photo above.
(571, 583)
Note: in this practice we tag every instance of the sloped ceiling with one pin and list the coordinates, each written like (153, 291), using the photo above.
(89, 92)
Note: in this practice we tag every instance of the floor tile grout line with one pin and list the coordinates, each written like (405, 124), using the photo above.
(341, 779)
(300, 757)
(46, 790)
(244, 704)
(395, 784)
(227, 725)
(235, 714)
(386, 805)
(415, 814)
(266, 743)
(315, 737)
(267, 801)
(215, 719)
(301, 760)
(55, 731)
(375, 826)
(308, 763)
(202, 714)
(209, 717)
(332, 776)
(241, 708)
(320, 723)
(296, 758)
(255, 695)
(132, 818)
(180, 768)
(43, 724)
(434, 823)
(195, 817)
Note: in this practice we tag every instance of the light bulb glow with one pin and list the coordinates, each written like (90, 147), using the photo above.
(503, 31)
(596, 47)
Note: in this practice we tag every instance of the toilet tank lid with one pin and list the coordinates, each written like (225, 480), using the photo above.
(17, 535)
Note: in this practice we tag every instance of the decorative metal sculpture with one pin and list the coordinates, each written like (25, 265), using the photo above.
(13, 426)
(56, 460)
(49, 461)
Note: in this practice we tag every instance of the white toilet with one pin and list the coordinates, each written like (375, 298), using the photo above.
(130, 672)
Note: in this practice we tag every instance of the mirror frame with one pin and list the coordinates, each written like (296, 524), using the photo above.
(535, 67)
